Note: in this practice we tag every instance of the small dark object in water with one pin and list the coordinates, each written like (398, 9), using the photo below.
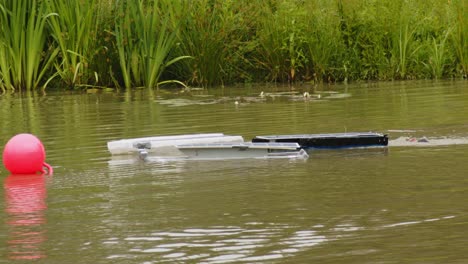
(423, 139)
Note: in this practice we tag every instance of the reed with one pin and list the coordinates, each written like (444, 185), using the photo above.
(420, 41)
(403, 40)
(144, 40)
(212, 33)
(75, 31)
(270, 54)
(458, 10)
(202, 37)
(322, 40)
(395, 39)
(363, 38)
(281, 38)
(81, 43)
(25, 59)
(438, 60)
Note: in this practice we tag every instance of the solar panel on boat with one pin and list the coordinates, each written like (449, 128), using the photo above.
(329, 140)
(331, 135)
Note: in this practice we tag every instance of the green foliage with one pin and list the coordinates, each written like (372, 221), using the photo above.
(74, 30)
(437, 58)
(212, 33)
(364, 38)
(458, 20)
(281, 39)
(322, 41)
(404, 39)
(398, 39)
(144, 43)
(24, 56)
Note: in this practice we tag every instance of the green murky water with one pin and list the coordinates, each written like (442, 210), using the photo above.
(403, 204)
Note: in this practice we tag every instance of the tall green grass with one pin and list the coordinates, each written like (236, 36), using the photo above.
(437, 60)
(144, 39)
(75, 30)
(404, 43)
(213, 33)
(280, 50)
(144, 43)
(322, 41)
(25, 59)
(397, 39)
(362, 38)
(458, 19)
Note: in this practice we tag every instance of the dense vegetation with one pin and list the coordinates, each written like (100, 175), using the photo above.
(143, 43)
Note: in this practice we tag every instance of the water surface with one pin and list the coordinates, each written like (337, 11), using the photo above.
(402, 204)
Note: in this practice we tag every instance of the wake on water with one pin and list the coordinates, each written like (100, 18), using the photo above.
(407, 141)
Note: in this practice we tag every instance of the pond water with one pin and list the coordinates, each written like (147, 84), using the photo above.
(401, 204)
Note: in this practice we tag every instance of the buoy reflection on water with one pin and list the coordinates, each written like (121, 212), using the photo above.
(25, 198)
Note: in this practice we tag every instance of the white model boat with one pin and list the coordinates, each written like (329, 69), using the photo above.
(242, 150)
(165, 145)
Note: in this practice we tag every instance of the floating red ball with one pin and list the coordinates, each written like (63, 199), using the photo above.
(24, 154)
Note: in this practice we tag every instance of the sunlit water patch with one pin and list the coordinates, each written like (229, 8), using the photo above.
(251, 243)
(255, 242)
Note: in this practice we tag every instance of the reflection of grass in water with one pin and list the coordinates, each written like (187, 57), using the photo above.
(178, 102)
(185, 102)
(262, 98)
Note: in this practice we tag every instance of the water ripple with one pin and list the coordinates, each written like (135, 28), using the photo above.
(225, 244)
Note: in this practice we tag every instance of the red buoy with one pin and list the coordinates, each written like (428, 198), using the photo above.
(25, 154)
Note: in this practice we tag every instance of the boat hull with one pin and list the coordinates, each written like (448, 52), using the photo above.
(242, 151)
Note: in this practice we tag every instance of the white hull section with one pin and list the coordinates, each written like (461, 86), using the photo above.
(165, 145)
(203, 146)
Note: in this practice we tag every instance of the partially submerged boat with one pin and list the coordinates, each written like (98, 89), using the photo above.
(330, 141)
(220, 146)
(203, 146)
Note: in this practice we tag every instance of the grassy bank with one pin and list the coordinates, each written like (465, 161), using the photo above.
(143, 43)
